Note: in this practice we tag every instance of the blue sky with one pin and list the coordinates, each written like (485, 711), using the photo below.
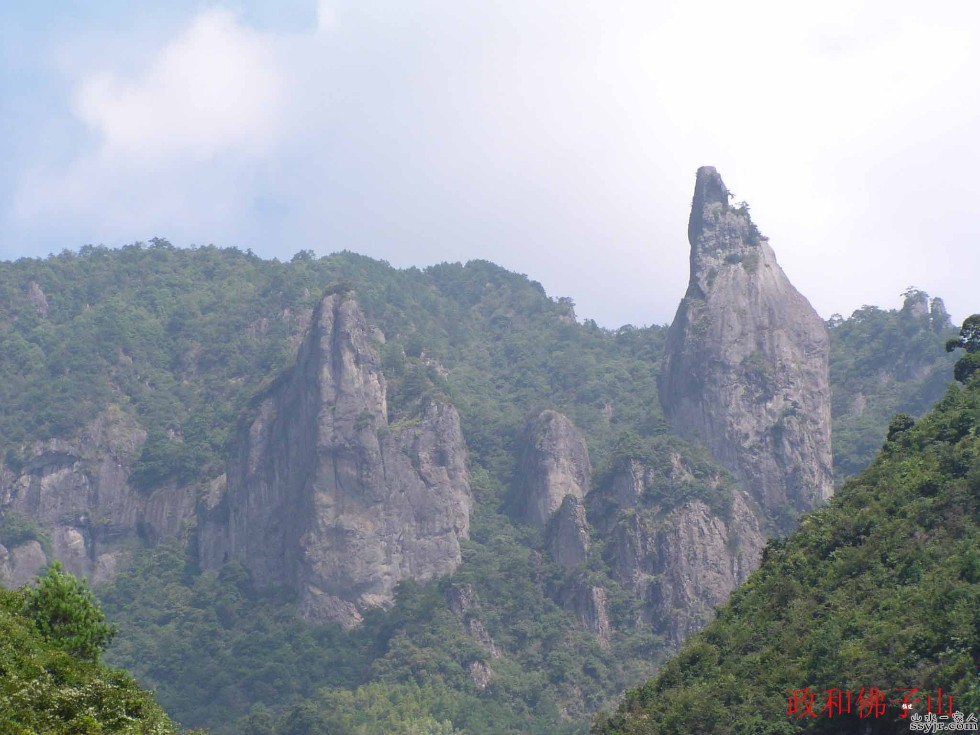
(557, 139)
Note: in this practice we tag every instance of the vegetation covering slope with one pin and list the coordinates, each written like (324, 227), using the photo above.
(51, 682)
(182, 339)
(878, 590)
(884, 362)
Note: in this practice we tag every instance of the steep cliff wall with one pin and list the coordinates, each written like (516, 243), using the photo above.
(76, 493)
(680, 561)
(746, 367)
(328, 498)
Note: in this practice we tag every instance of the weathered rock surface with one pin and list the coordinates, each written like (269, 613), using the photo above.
(589, 603)
(77, 493)
(21, 563)
(555, 465)
(680, 561)
(746, 368)
(328, 498)
(700, 558)
(567, 537)
(38, 299)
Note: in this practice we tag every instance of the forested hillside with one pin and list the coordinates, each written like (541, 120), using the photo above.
(876, 596)
(51, 638)
(884, 362)
(154, 356)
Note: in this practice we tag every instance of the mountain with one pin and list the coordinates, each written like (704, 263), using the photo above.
(746, 370)
(329, 497)
(330, 491)
(879, 591)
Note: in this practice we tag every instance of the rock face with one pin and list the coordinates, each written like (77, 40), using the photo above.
(325, 496)
(746, 368)
(589, 604)
(77, 494)
(465, 607)
(556, 464)
(700, 557)
(567, 537)
(21, 563)
(681, 561)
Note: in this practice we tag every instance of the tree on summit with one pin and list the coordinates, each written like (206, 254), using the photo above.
(969, 340)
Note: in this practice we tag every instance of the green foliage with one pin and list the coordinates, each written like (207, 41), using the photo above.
(880, 588)
(45, 689)
(966, 366)
(213, 648)
(682, 472)
(16, 529)
(182, 339)
(969, 337)
(969, 340)
(902, 422)
(883, 363)
(67, 614)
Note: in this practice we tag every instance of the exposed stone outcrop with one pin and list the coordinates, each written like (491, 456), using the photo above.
(480, 674)
(466, 609)
(746, 368)
(700, 557)
(588, 603)
(680, 561)
(77, 493)
(21, 563)
(623, 491)
(555, 465)
(38, 299)
(567, 537)
(328, 498)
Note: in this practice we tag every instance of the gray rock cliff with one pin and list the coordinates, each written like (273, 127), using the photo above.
(555, 465)
(77, 493)
(567, 536)
(325, 496)
(746, 368)
(698, 558)
(681, 561)
(589, 603)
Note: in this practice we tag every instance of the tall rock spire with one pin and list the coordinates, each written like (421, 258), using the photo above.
(325, 496)
(746, 370)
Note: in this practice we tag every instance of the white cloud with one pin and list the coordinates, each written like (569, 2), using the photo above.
(179, 142)
(326, 16)
(214, 89)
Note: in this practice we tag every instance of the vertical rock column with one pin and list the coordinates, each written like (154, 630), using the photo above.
(325, 496)
(746, 371)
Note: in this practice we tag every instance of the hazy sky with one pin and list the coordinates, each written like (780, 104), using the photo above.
(556, 138)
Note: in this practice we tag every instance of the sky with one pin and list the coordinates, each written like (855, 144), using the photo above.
(556, 138)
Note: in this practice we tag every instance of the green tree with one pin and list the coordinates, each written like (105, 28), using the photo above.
(67, 615)
(969, 340)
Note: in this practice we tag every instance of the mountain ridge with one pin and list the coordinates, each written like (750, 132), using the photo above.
(172, 362)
